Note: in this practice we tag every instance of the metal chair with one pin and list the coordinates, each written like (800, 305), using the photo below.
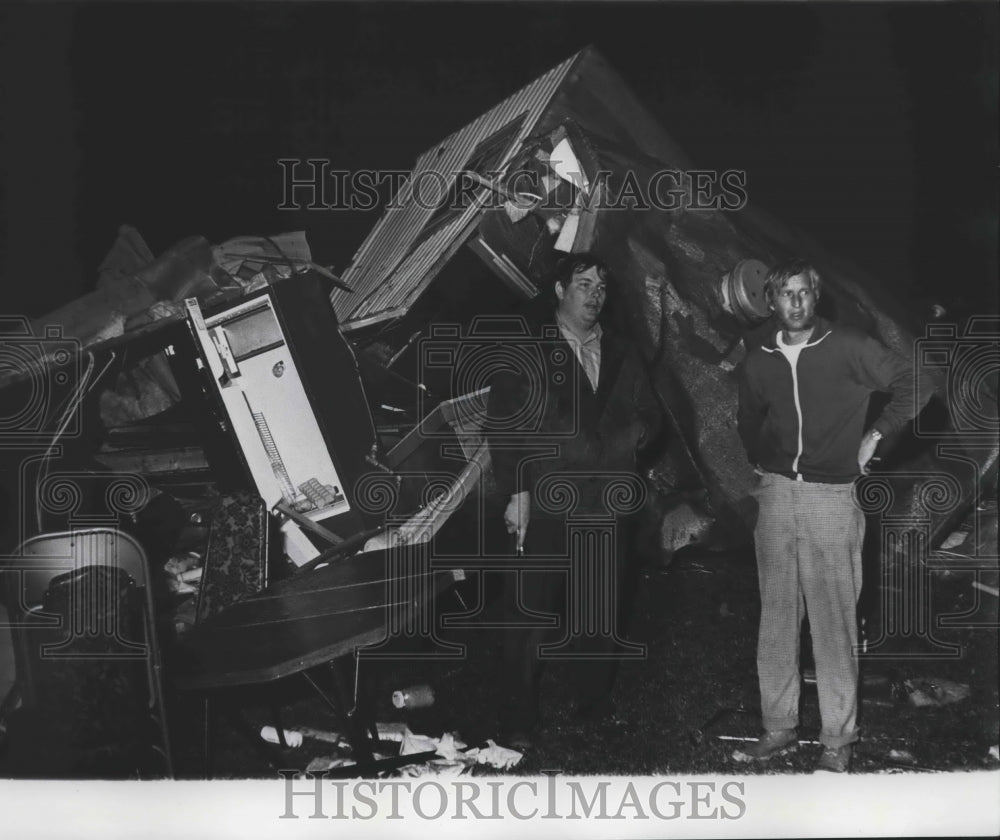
(41, 559)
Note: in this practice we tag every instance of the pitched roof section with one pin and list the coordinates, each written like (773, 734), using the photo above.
(398, 258)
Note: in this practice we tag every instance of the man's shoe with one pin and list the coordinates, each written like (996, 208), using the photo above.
(769, 745)
(835, 759)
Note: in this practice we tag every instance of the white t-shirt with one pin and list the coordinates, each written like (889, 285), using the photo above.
(790, 351)
(587, 352)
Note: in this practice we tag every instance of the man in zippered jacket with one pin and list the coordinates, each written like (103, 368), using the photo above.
(804, 397)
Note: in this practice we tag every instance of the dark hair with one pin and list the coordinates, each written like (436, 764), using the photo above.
(784, 271)
(575, 263)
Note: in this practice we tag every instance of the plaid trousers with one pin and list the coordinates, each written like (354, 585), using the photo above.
(808, 540)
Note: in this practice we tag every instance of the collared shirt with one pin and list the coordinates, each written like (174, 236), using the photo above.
(588, 351)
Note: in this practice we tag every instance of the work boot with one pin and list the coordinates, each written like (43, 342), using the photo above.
(835, 759)
(770, 744)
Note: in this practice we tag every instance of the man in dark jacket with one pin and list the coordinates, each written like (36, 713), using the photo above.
(804, 396)
(567, 417)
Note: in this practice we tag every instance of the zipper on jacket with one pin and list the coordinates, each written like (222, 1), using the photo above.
(795, 391)
(794, 365)
(798, 411)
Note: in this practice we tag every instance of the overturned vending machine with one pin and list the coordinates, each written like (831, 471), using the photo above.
(208, 484)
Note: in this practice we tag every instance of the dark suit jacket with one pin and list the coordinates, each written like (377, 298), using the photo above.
(552, 435)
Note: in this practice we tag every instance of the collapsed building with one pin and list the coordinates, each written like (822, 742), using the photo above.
(331, 425)
(574, 163)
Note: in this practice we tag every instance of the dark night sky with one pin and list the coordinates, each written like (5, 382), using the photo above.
(873, 127)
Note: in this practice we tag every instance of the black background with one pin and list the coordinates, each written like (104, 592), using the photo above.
(872, 127)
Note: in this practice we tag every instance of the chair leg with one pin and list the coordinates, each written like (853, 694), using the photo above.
(155, 676)
(167, 750)
(218, 709)
(210, 720)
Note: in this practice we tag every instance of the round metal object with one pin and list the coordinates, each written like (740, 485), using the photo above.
(743, 291)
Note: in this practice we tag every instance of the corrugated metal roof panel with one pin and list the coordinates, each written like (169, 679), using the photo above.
(394, 291)
(387, 270)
